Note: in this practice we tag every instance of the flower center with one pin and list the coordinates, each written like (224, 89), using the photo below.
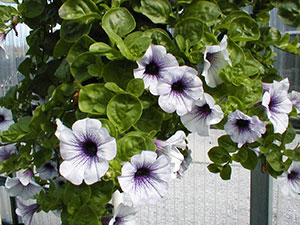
(142, 172)
(2, 118)
(178, 86)
(90, 148)
(292, 175)
(273, 104)
(49, 166)
(152, 68)
(242, 124)
(204, 110)
(209, 57)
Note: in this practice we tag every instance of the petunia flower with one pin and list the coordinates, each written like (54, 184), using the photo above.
(178, 90)
(6, 119)
(123, 214)
(291, 180)
(24, 186)
(216, 57)
(59, 182)
(154, 65)
(7, 151)
(145, 178)
(294, 97)
(48, 170)
(170, 148)
(185, 164)
(203, 114)
(86, 150)
(26, 211)
(243, 128)
(277, 105)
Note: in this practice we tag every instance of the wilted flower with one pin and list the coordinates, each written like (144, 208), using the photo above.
(170, 148)
(146, 177)
(6, 119)
(154, 65)
(178, 90)
(48, 170)
(26, 211)
(243, 128)
(203, 114)
(7, 151)
(294, 97)
(185, 164)
(277, 105)
(291, 179)
(85, 150)
(24, 186)
(59, 182)
(216, 57)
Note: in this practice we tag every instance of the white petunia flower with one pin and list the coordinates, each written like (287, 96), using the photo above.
(170, 148)
(6, 119)
(86, 150)
(24, 186)
(216, 57)
(294, 97)
(243, 128)
(178, 90)
(154, 65)
(48, 170)
(145, 178)
(7, 151)
(26, 211)
(185, 164)
(203, 114)
(277, 105)
(291, 180)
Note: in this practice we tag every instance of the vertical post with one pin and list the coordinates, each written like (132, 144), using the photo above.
(260, 198)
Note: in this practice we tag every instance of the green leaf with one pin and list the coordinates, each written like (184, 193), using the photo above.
(114, 87)
(157, 11)
(244, 29)
(236, 53)
(226, 172)
(288, 12)
(100, 47)
(160, 37)
(274, 158)
(72, 30)
(119, 21)
(226, 143)
(269, 36)
(119, 72)
(214, 168)
(112, 130)
(204, 10)
(76, 9)
(289, 135)
(79, 47)
(251, 161)
(132, 144)
(124, 110)
(81, 66)
(135, 87)
(86, 216)
(25, 67)
(61, 48)
(31, 8)
(190, 29)
(137, 43)
(93, 98)
(241, 155)
(218, 155)
(150, 120)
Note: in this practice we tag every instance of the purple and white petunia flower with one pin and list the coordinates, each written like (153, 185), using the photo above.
(48, 170)
(26, 211)
(6, 119)
(291, 180)
(154, 65)
(277, 105)
(179, 89)
(243, 128)
(170, 148)
(86, 150)
(294, 97)
(24, 186)
(216, 57)
(7, 151)
(203, 114)
(145, 178)
(123, 215)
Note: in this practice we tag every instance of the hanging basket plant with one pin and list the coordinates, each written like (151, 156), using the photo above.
(112, 88)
